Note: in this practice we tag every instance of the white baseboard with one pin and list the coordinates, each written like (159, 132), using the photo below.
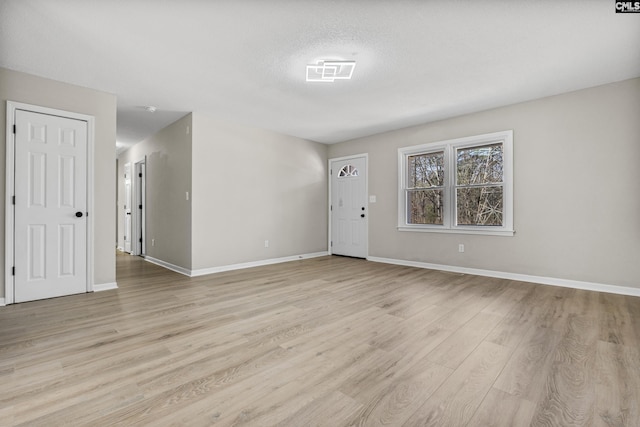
(105, 287)
(96, 288)
(203, 271)
(220, 269)
(575, 284)
(168, 265)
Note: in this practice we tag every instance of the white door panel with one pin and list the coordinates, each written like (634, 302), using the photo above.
(127, 207)
(50, 206)
(349, 209)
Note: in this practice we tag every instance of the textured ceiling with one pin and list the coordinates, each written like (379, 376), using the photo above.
(244, 61)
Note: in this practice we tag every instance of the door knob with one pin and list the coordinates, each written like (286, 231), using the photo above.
(79, 214)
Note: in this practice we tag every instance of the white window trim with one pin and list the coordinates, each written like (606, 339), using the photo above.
(449, 147)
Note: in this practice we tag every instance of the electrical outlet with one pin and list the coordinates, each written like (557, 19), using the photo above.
(460, 248)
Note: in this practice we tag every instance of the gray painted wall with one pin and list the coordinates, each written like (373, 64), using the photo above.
(168, 212)
(576, 187)
(246, 186)
(252, 185)
(21, 87)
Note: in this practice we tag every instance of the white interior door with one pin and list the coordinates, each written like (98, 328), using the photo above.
(50, 228)
(349, 208)
(127, 207)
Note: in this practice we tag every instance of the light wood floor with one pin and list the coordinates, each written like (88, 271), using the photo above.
(328, 341)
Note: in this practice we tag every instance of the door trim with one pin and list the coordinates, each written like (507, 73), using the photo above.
(138, 221)
(12, 106)
(366, 189)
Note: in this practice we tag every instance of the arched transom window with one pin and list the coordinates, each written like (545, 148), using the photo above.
(348, 170)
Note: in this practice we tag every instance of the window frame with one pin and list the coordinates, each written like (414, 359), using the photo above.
(450, 164)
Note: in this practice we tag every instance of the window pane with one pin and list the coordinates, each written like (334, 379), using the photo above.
(479, 165)
(425, 206)
(479, 206)
(348, 170)
(426, 170)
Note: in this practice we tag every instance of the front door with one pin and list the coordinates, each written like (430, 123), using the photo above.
(349, 212)
(50, 243)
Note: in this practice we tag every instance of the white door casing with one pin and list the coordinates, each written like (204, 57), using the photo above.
(127, 207)
(50, 244)
(138, 212)
(348, 206)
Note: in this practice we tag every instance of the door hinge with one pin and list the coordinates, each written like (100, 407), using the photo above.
(13, 271)
(332, 243)
(140, 206)
(14, 129)
(331, 208)
(14, 200)
(141, 240)
(140, 175)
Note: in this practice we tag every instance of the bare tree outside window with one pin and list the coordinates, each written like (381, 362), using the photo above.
(479, 185)
(425, 196)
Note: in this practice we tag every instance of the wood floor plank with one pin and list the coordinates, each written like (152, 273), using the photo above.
(524, 374)
(308, 374)
(514, 411)
(324, 341)
(394, 404)
(519, 319)
(616, 403)
(330, 410)
(302, 386)
(406, 330)
(513, 294)
(616, 321)
(452, 351)
(569, 395)
(457, 399)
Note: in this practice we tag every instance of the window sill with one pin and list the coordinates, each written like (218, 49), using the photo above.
(483, 232)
